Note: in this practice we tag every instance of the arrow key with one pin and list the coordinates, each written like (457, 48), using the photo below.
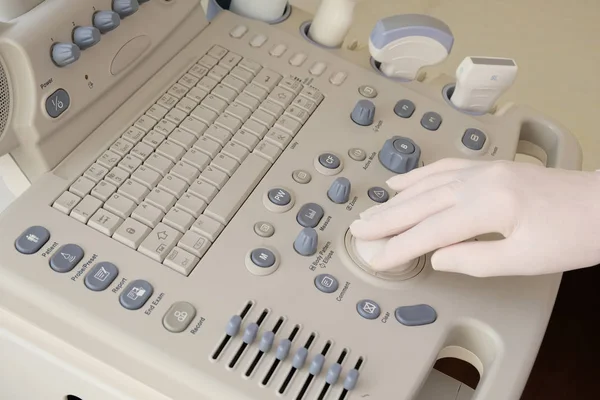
(160, 242)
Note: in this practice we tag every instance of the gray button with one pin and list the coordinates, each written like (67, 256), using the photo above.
(431, 121)
(250, 333)
(266, 342)
(399, 161)
(404, 108)
(136, 294)
(283, 349)
(101, 276)
(339, 192)
(280, 197)
(421, 314)
(367, 91)
(330, 161)
(179, 317)
(333, 374)
(57, 103)
(351, 379)
(264, 229)
(32, 240)
(378, 194)
(66, 258)
(363, 113)
(300, 358)
(326, 283)
(301, 176)
(316, 366)
(307, 241)
(474, 139)
(404, 146)
(263, 258)
(357, 154)
(368, 309)
(310, 215)
(233, 326)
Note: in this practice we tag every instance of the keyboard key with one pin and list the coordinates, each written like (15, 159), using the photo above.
(105, 222)
(237, 190)
(179, 219)
(191, 205)
(131, 233)
(297, 113)
(203, 190)
(160, 242)
(248, 101)
(312, 94)
(161, 199)
(165, 127)
(229, 122)
(268, 151)
(242, 74)
(196, 159)
(82, 186)
(208, 61)
(278, 138)
(288, 125)
(181, 261)
(256, 128)
(130, 163)
(218, 134)
(250, 65)
(96, 172)
(134, 191)
(204, 114)
(133, 134)
(187, 105)
(157, 112)
(117, 176)
(142, 151)
(121, 147)
(256, 92)
(208, 146)
(215, 103)
(234, 83)
(207, 227)
(246, 139)
(146, 176)
(103, 190)
(176, 116)
(214, 176)
(235, 151)
(194, 126)
(264, 118)
(120, 205)
(86, 208)
(225, 163)
(148, 215)
(183, 138)
(272, 108)
(153, 139)
(66, 202)
(188, 80)
(292, 85)
(194, 243)
(145, 123)
(178, 90)
(305, 104)
(224, 93)
(199, 71)
(167, 101)
(109, 159)
(239, 111)
(173, 185)
(196, 94)
(207, 84)
(218, 73)
(230, 61)
(217, 52)
(267, 79)
(186, 172)
(281, 96)
(171, 150)
(159, 163)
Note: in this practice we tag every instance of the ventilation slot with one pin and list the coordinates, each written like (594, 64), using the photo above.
(261, 353)
(357, 366)
(4, 99)
(252, 329)
(277, 361)
(310, 376)
(326, 386)
(227, 338)
(293, 369)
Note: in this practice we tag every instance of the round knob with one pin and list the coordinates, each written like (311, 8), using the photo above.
(125, 7)
(64, 54)
(106, 21)
(367, 250)
(363, 113)
(86, 36)
(306, 242)
(400, 155)
(339, 192)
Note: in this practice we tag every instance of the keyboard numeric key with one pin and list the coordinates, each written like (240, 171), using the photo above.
(82, 186)
(86, 208)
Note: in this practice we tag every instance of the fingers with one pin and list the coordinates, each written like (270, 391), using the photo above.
(403, 216)
(401, 182)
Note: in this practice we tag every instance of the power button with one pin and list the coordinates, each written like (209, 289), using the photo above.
(57, 103)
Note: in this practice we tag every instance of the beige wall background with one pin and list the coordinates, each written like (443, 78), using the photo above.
(556, 44)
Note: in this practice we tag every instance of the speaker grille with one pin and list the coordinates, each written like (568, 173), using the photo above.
(4, 100)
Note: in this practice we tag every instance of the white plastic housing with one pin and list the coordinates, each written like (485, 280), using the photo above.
(263, 10)
(332, 22)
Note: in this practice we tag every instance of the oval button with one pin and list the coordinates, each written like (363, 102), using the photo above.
(130, 52)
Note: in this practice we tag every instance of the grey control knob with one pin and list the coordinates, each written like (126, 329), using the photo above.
(125, 7)
(86, 36)
(106, 21)
(363, 113)
(339, 192)
(307, 241)
(400, 155)
(64, 54)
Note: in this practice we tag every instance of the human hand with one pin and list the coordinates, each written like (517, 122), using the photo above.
(549, 219)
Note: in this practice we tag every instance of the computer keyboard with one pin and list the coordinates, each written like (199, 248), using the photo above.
(175, 178)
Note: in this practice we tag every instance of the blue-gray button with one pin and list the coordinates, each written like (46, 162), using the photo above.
(378, 194)
(363, 113)
(474, 139)
(396, 154)
(351, 380)
(263, 258)
(179, 316)
(310, 215)
(333, 374)
(283, 349)
(431, 121)
(326, 283)
(250, 333)
(404, 146)
(368, 309)
(339, 192)
(233, 326)
(101, 276)
(420, 314)
(307, 242)
(266, 342)
(330, 161)
(404, 108)
(316, 366)
(66, 258)
(280, 197)
(136, 294)
(57, 103)
(300, 358)
(32, 240)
